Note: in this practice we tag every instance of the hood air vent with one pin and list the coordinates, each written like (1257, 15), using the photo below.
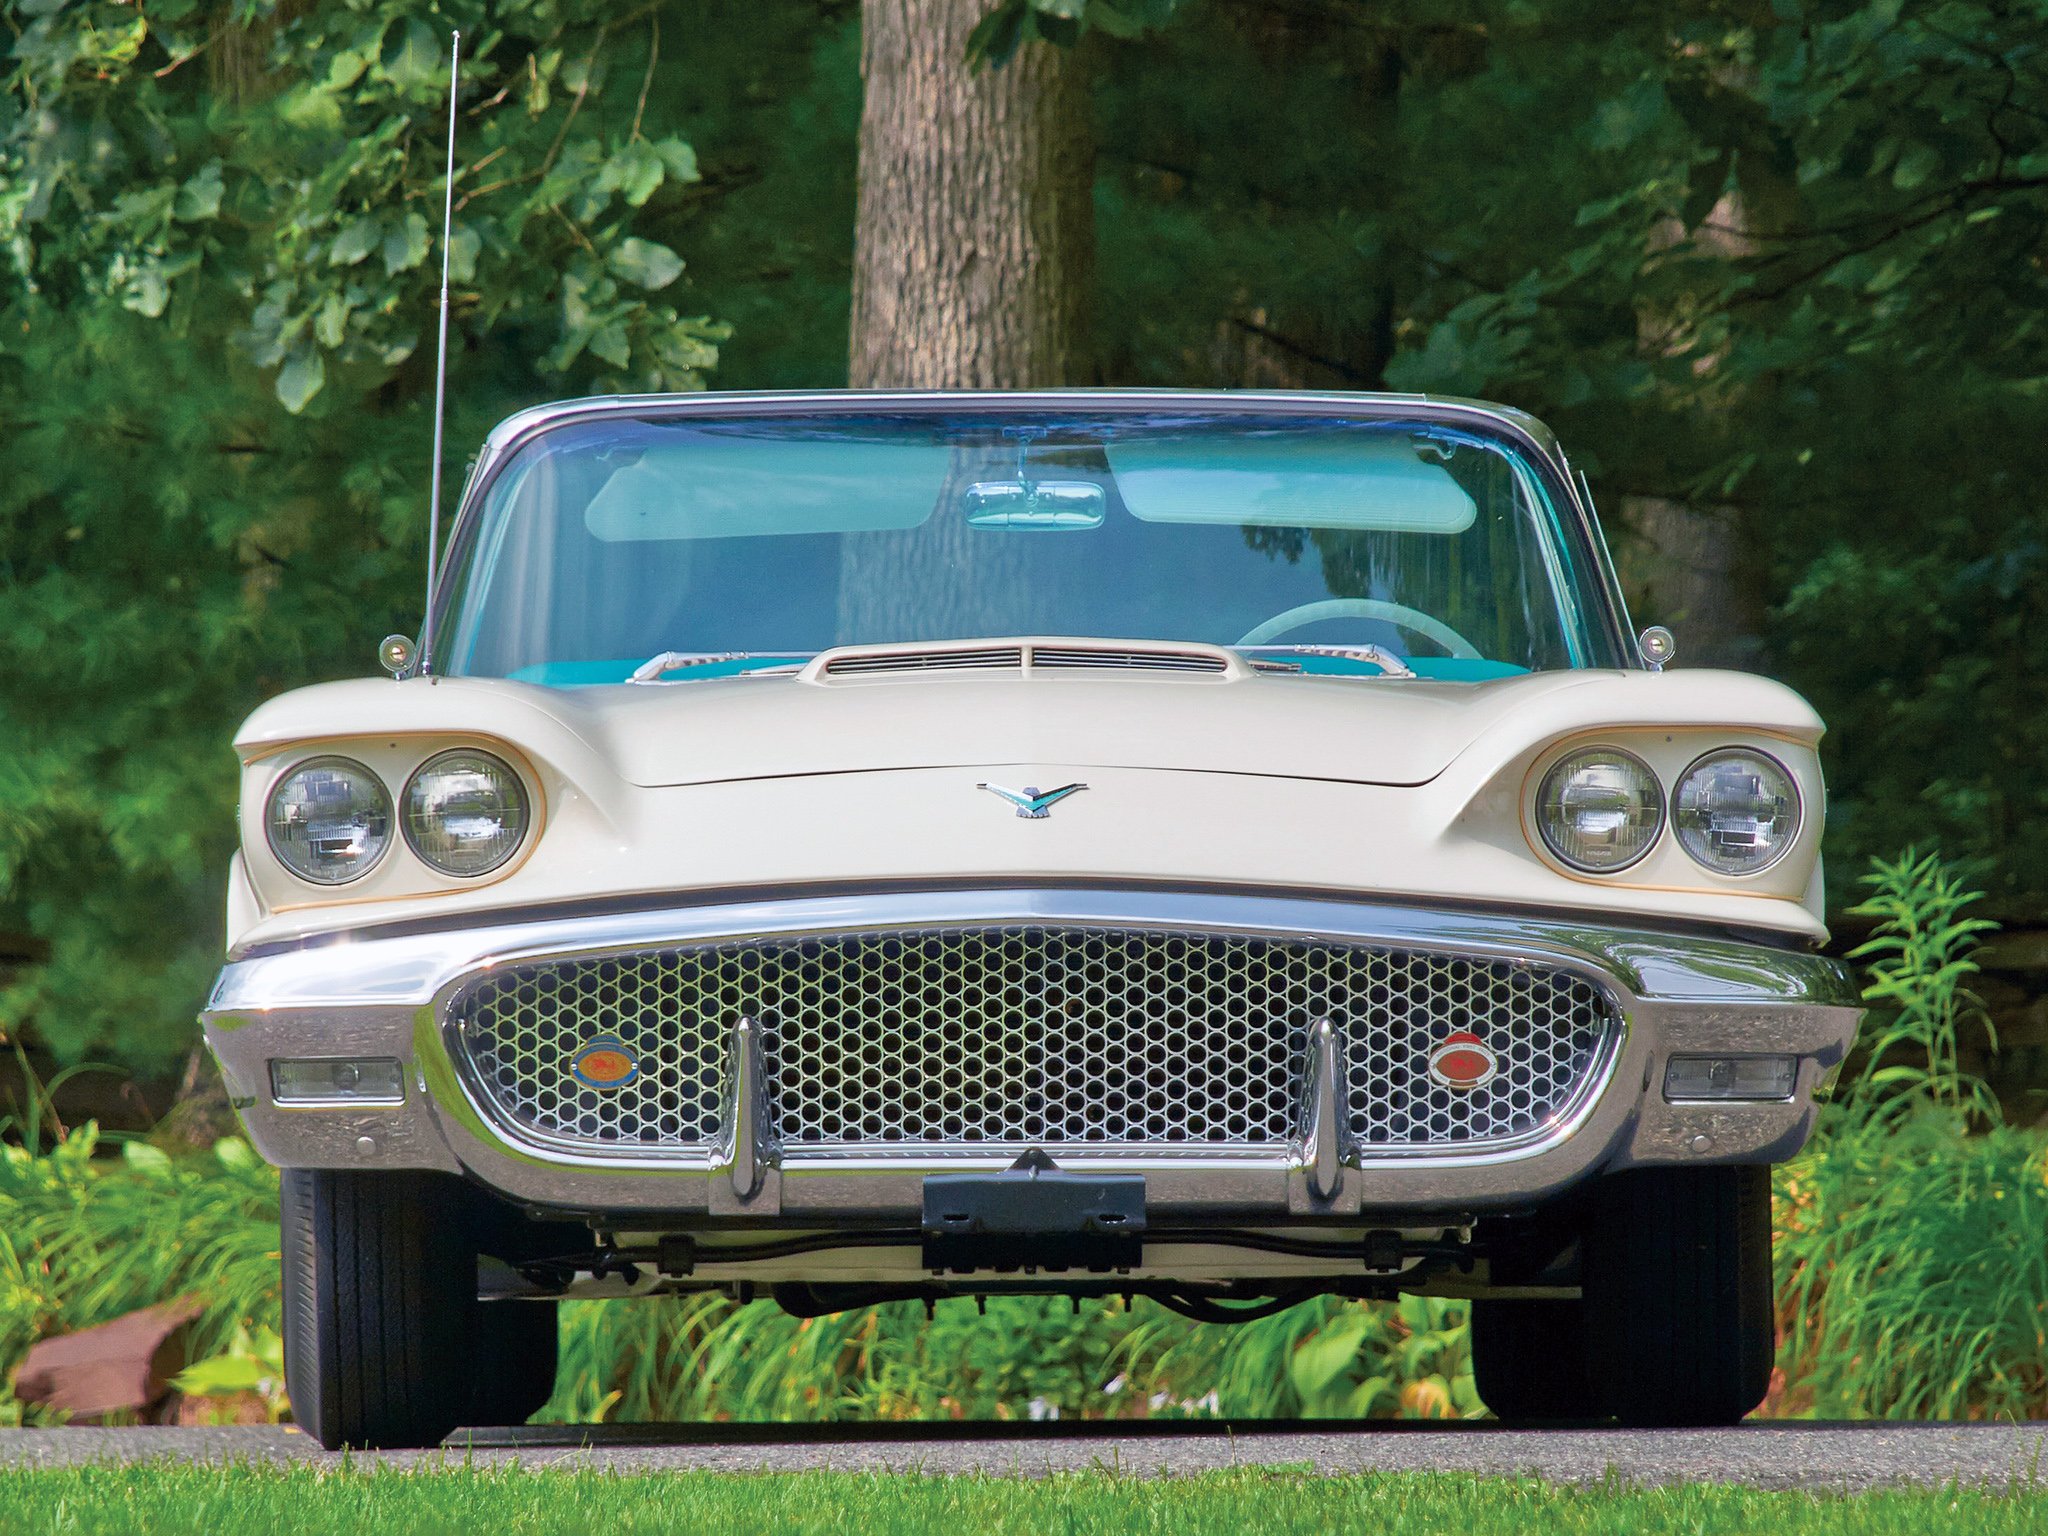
(1047, 658)
(1010, 659)
(1058, 656)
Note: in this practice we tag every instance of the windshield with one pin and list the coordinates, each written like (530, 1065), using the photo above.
(605, 542)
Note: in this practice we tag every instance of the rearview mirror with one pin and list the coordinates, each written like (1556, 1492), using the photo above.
(1034, 506)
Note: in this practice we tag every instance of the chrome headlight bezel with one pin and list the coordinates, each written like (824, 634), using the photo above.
(379, 805)
(414, 818)
(1650, 795)
(1792, 801)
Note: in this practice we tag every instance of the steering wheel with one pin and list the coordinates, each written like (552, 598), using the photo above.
(1366, 608)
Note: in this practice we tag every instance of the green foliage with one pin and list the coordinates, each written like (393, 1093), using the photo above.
(1913, 1282)
(218, 314)
(1920, 958)
(700, 1357)
(1011, 23)
(87, 1239)
(1780, 262)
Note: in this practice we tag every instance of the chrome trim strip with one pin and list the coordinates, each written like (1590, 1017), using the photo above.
(414, 968)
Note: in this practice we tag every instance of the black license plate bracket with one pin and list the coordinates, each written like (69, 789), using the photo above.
(1033, 1215)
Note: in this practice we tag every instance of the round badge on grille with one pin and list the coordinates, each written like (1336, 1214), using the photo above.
(1463, 1061)
(604, 1063)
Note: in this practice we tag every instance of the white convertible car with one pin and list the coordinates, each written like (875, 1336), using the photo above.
(1217, 848)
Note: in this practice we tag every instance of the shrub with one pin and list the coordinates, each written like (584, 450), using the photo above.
(1912, 1271)
(1028, 1357)
(86, 1239)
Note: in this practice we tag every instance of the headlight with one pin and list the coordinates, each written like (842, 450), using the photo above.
(1599, 810)
(465, 812)
(329, 820)
(1736, 811)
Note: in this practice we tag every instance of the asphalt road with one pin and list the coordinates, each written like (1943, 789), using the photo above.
(1822, 1457)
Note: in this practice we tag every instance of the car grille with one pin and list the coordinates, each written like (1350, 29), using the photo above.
(1029, 1035)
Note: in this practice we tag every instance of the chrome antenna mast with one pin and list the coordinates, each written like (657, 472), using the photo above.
(441, 363)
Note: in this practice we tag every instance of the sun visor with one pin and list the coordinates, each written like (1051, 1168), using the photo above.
(711, 487)
(1364, 481)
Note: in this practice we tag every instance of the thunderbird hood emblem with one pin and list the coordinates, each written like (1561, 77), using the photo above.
(1031, 805)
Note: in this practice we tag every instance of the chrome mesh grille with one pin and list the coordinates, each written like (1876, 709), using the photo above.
(1031, 1035)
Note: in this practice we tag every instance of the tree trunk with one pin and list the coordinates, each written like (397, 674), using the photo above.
(974, 238)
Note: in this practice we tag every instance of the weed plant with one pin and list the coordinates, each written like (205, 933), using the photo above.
(1912, 1247)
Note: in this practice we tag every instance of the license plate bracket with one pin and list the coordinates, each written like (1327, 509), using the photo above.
(1034, 1215)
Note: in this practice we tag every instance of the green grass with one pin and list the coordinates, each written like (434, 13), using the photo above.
(1268, 1501)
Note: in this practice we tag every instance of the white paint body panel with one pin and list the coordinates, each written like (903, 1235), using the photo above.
(1370, 787)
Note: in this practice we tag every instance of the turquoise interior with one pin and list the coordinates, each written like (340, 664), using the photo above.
(591, 674)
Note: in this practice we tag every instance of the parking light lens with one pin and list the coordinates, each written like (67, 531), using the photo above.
(329, 820)
(465, 812)
(337, 1080)
(1757, 1078)
(1600, 810)
(1736, 811)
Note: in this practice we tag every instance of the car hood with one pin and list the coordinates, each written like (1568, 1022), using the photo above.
(1364, 730)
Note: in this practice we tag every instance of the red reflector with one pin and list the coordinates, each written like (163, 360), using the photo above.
(1463, 1061)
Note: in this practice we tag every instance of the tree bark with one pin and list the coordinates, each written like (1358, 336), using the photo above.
(974, 238)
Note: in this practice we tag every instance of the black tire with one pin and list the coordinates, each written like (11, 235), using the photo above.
(1676, 1272)
(379, 1306)
(513, 1360)
(1529, 1360)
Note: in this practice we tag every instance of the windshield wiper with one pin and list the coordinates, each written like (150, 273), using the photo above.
(1389, 664)
(651, 670)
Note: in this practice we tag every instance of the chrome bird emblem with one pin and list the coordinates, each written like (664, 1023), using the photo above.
(1032, 805)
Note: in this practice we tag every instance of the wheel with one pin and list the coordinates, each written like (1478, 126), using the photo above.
(379, 1305)
(512, 1359)
(1529, 1359)
(1676, 1274)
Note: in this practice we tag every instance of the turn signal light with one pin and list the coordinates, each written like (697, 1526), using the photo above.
(337, 1080)
(1756, 1078)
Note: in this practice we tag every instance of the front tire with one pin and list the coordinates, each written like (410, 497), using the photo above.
(1676, 1274)
(379, 1275)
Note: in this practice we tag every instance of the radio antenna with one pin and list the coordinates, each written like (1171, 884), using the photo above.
(441, 362)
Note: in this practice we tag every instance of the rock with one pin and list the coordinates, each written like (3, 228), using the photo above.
(126, 1364)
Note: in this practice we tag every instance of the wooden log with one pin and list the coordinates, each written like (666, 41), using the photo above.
(126, 1364)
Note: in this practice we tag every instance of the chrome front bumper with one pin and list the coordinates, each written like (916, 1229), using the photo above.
(388, 997)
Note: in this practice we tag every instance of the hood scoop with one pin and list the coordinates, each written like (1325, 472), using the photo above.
(1023, 659)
